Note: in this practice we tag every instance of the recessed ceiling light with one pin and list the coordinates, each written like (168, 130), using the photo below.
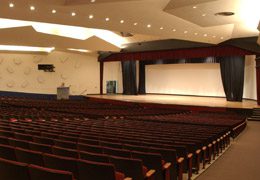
(135, 24)
(53, 11)
(205, 35)
(174, 30)
(32, 8)
(185, 32)
(204, 14)
(222, 38)
(195, 34)
(91, 16)
(194, 7)
(92, 1)
(161, 28)
(214, 36)
(227, 13)
(73, 14)
(11, 5)
(107, 19)
(149, 25)
(122, 21)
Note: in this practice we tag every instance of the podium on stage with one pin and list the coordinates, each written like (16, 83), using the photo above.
(63, 93)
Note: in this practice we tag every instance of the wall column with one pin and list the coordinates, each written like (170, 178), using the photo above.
(101, 71)
(258, 78)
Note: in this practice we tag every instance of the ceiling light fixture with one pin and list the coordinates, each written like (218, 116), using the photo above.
(195, 34)
(79, 50)
(122, 21)
(92, 1)
(11, 5)
(161, 28)
(221, 37)
(204, 15)
(185, 32)
(214, 36)
(135, 24)
(26, 48)
(149, 25)
(194, 7)
(53, 11)
(205, 35)
(107, 19)
(91, 16)
(32, 8)
(73, 14)
(174, 30)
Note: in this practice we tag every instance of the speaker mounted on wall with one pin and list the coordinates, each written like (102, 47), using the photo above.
(46, 67)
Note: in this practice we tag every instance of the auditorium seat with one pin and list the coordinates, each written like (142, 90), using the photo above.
(12, 170)
(65, 144)
(65, 152)
(103, 158)
(132, 168)
(41, 173)
(117, 152)
(61, 163)
(40, 147)
(28, 156)
(7, 152)
(19, 143)
(99, 171)
(90, 148)
(154, 161)
(43, 140)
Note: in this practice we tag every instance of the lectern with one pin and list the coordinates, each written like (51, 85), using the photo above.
(63, 93)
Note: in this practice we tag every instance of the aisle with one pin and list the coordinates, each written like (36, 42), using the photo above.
(241, 161)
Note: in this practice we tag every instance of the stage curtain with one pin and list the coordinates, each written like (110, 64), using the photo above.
(141, 87)
(232, 73)
(129, 77)
(214, 51)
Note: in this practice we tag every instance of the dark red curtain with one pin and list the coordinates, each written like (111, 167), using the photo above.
(129, 77)
(232, 73)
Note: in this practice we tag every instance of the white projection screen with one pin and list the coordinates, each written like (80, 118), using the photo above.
(185, 79)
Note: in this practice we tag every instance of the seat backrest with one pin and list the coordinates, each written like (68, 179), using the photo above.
(28, 156)
(136, 148)
(4, 140)
(21, 136)
(61, 163)
(40, 147)
(7, 152)
(93, 170)
(90, 148)
(12, 170)
(94, 157)
(43, 140)
(111, 144)
(41, 173)
(151, 161)
(130, 167)
(65, 152)
(88, 141)
(65, 144)
(117, 152)
(19, 143)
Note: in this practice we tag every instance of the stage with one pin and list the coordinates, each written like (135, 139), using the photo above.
(181, 100)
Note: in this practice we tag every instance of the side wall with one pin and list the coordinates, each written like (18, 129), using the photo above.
(19, 73)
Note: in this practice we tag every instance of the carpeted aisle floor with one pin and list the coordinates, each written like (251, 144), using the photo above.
(241, 161)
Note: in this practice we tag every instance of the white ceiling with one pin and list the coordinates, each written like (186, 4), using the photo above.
(193, 20)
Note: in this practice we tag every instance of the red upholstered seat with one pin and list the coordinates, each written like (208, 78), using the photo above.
(41, 173)
(120, 176)
(12, 170)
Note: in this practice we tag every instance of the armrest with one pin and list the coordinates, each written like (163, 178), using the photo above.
(167, 165)
(198, 151)
(149, 175)
(180, 160)
(128, 178)
(180, 164)
(166, 170)
(189, 155)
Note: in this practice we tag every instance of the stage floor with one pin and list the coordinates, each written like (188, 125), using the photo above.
(181, 100)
